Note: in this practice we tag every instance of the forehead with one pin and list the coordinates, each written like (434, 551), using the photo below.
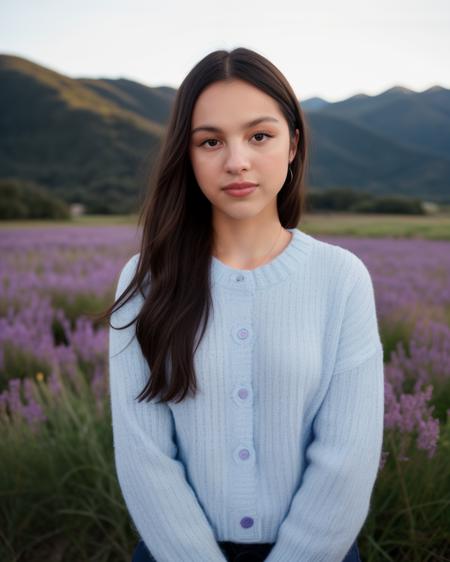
(232, 102)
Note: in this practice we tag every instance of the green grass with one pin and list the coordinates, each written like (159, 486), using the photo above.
(432, 227)
(87, 220)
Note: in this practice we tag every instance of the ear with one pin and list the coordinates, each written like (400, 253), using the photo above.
(294, 145)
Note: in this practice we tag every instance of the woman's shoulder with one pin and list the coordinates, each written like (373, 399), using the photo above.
(339, 263)
(129, 269)
(126, 274)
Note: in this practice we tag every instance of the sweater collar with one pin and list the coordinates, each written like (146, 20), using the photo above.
(280, 267)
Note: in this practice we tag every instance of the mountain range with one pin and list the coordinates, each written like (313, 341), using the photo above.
(93, 140)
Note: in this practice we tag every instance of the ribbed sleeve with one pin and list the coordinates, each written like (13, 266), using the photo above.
(359, 333)
(331, 504)
(162, 504)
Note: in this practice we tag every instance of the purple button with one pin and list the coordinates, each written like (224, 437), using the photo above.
(243, 393)
(243, 334)
(246, 522)
(244, 454)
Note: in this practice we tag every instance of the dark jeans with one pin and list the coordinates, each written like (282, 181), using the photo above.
(238, 552)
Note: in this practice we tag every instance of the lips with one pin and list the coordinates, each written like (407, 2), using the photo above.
(239, 185)
(241, 192)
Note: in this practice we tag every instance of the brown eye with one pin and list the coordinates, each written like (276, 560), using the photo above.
(259, 133)
(208, 140)
(264, 134)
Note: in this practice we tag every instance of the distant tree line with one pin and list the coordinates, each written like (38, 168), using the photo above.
(21, 199)
(349, 200)
(26, 199)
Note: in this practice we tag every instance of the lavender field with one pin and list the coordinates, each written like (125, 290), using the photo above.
(59, 495)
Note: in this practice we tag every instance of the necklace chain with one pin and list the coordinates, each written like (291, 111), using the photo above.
(273, 245)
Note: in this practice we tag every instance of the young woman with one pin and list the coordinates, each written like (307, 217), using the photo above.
(246, 366)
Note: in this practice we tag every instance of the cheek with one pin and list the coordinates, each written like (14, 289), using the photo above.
(205, 173)
(205, 176)
(201, 164)
(273, 158)
(197, 165)
(274, 165)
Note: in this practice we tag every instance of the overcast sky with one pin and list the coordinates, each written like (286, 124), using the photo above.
(328, 48)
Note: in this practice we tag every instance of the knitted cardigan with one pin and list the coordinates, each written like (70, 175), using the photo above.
(282, 442)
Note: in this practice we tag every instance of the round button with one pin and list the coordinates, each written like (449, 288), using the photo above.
(243, 393)
(246, 522)
(243, 334)
(244, 454)
(240, 277)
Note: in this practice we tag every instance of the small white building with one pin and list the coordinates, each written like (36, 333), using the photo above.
(430, 207)
(77, 209)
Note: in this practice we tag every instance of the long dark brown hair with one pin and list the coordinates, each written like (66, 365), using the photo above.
(177, 235)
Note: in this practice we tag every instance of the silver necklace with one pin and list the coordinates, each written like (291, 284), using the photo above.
(273, 245)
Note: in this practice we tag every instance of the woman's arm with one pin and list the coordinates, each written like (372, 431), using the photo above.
(163, 506)
(331, 505)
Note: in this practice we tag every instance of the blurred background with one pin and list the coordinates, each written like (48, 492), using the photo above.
(86, 89)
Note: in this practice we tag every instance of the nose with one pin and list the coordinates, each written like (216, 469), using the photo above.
(236, 158)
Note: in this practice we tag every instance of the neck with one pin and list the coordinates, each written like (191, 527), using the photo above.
(247, 247)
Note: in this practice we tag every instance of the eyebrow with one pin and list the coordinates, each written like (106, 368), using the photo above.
(213, 129)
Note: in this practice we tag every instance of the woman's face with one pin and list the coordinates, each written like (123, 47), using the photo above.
(238, 152)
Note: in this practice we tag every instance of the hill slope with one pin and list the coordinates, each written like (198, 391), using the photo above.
(91, 140)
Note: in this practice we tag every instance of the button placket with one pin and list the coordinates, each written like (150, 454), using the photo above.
(243, 478)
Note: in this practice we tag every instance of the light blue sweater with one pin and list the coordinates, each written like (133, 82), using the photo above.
(283, 442)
